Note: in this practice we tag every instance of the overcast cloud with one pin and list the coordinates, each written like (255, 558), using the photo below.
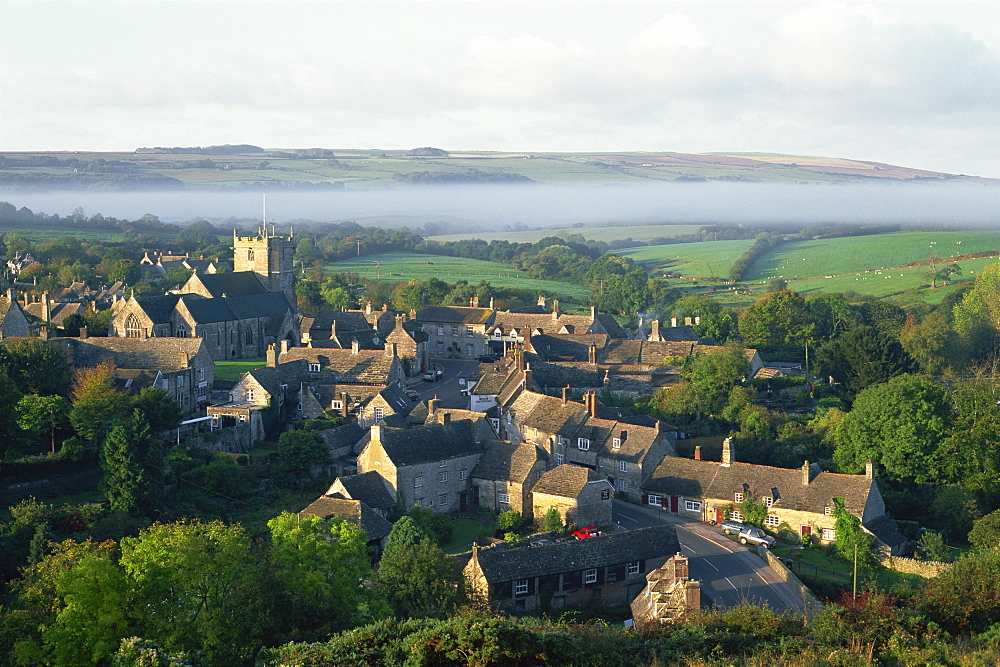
(909, 83)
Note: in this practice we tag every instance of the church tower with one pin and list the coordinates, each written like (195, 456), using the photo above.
(270, 257)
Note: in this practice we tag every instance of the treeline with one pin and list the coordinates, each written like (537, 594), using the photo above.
(468, 176)
(761, 245)
(225, 149)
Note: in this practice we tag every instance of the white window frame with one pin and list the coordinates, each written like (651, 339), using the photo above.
(443, 500)
(828, 510)
(461, 475)
(736, 515)
(692, 505)
(440, 329)
(772, 520)
(454, 331)
(583, 443)
(559, 459)
(520, 587)
(248, 394)
(590, 576)
(623, 485)
(469, 332)
(616, 443)
(336, 405)
(623, 466)
(418, 481)
(768, 501)
(654, 500)
(243, 418)
(738, 497)
(828, 534)
(314, 368)
(378, 413)
(503, 498)
(442, 476)
(633, 568)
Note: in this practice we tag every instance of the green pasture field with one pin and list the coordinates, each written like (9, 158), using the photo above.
(42, 234)
(609, 232)
(707, 258)
(397, 266)
(855, 254)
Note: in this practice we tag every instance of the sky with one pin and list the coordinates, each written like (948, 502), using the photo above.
(904, 82)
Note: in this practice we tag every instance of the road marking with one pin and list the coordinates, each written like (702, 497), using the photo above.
(731, 584)
(684, 546)
(627, 518)
(713, 567)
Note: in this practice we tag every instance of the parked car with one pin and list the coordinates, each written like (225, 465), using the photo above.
(756, 536)
(587, 533)
(732, 527)
(412, 395)
(432, 376)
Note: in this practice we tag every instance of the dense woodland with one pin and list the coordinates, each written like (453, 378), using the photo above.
(193, 558)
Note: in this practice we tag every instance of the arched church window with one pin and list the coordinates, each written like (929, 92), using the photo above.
(132, 327)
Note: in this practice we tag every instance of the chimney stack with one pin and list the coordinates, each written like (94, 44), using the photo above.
(355, 346)
(527, 341)
(697, 452)
(43, 333)
(475, 302)
(592, 403)
(376, 431)
(805, 473)
(368, 308)
(283, 347)
(542, 301)
(83, 332)
(271, 356)
(728, 455)
(870, 469)
(565, 394)
(46, 307)
(527, 376)
(592, 354)
(492, 304)
(343, 404)
(697, 320)
(390, 350)
(555, 309)
(444, 418)
(655, 334)
(593, 312)
(519, 358)
(607, 376)
(687, 321)
(10, 295)
(673, 321)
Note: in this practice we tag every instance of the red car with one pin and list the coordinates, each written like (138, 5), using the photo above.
(587, 533)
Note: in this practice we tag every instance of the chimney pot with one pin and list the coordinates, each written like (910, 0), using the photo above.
(673, 321)
(271, 356)
(697, 452)
(565, 394)
(83, 332)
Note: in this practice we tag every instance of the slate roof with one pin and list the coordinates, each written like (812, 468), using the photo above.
(609, 325)
(352, 511)
(492, 378)
(438, 442)
(157, 308)
(886, 530)
(368, 487)
(709, 479)
(58, 312)
(344, 436)
(455, 314)
(258, 305)
(134, 380)
(508, 461)
(233, 284)
(505, 563)
(527, 323)
(347, 320)
(680, 333)
(548, 414)
(164, 354)
(567, 347)
(270, 379)
(371, 367)
(567, 481)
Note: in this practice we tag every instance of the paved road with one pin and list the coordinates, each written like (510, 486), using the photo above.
(448, 389)
(729, 573)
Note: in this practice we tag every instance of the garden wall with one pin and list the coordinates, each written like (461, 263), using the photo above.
(925, 568)
(809, 600)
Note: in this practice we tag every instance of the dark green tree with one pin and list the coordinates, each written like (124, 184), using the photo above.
(43, 413)
(159, 408)
(416, 578)
(126, 483)
(298, 450)
(778, 324)
(861, 358)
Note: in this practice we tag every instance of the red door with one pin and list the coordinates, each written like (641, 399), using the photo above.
(806, 530)
(673, 504)
(720, 515)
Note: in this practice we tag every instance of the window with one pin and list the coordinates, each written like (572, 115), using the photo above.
(692, 505)
(440, 330)
(590, 576)
(215, 421)
(583, 443)
(559, 459)
(201, 373)
(454, 331)
(653, 500)
(470, 350)
(616, 443)
(503, 498)
(336, 405)
(443, 476)
(469, 332)
(623, 485)
(633, 567)
(560, 440)
(243, 418)
(828, 511)
(314, 368)
(443, 500)
(520, 587)
(495, 423)
(418, 481)
(132, 328)
(772, 520)
(249, 255)
(440, 347)
(736, 515)
(379, 413)
(623, 466)
(249, 336)
(248, 393)
(738, 497)
(828, 535)
(182, 331)
(461, 475)
(768, 501)
(442, 464)
(497, 333)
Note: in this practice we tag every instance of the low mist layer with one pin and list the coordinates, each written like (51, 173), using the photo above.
(485, 208)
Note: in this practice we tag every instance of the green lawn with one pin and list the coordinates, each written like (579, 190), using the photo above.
(233, 370)
(708, 258)
(397, 266)
(464, 532)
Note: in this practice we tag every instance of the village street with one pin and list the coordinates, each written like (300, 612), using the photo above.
(729, 573)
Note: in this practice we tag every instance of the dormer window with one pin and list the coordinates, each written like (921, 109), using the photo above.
(738, 497)
(336, 405)
(583, 443)
(313, 368)
(497, 333)
(616, 443)
(768, 501)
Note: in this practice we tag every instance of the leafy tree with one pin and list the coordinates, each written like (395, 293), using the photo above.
(159, 408)
(125, 482)
(309, 297)
(323, 567)
(35, 413)
(96, 401)
(715, 374)
(977, 316)
(438, 527)
(198, 234)
(552, 521)
(985, 533)
(852, 542)
(778, 324)
(933, 547)
(754, 511)
(832, 314)
(863, 357)
(964, 597)
(337, 298)
(10, 432)
(418, 579)
(35, 366)
(970, 454)
(71, 325)
(201, 587)
(298, 450)
(932, 343)
(899, 424)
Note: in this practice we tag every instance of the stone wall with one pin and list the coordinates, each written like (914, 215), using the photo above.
(231, 440)
(925, 568)
(809, 599)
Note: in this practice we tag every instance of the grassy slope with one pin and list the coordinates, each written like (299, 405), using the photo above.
(590, 232)
(708, 258)
(398, 266)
